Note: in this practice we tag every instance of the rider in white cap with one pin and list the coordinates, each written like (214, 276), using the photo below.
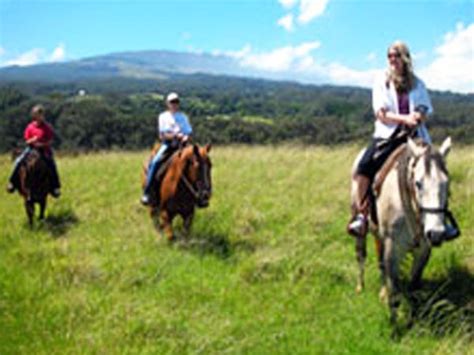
(173, 129)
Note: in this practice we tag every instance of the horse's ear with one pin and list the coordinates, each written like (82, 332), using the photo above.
(414, 148)
(445, 147)
(196, 150)
(208, 147)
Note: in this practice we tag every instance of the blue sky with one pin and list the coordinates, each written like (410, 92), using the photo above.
(334, 41)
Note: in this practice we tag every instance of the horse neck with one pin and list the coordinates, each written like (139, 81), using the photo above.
(177, 169)
(405, 172)
(36, 173)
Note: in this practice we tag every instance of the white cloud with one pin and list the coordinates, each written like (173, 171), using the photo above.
(286, 22)
(35, 56)
(371, 57)
(343, 75)
(453, 65)
(58, 54)
(288, 4)
(28, 58)
(419, 55)
(280, 59)
(234, 54)
(310, 9)
(299, 63)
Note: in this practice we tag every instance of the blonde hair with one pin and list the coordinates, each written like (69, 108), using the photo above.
(37, 110)
(405, 81)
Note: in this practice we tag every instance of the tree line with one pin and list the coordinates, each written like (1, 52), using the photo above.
(122, 113)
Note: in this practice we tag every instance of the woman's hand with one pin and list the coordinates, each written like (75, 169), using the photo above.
(420, 116)
(412, 119)
(32, 141)
(389, 117)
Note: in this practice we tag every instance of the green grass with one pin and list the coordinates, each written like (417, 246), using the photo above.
(268, 270)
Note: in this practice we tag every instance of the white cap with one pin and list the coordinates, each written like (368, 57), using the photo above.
(172, 96)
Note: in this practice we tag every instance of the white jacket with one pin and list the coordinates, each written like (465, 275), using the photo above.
(175, 123)
(383, 97)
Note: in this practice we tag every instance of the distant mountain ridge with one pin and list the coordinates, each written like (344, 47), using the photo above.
(151, 64)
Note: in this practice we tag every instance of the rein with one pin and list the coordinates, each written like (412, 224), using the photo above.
(190, 186)
(192, 189)
(407, 194)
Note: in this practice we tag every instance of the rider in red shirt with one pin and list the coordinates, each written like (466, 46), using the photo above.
(38, 135)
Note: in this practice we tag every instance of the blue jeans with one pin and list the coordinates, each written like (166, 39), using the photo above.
(154, 165)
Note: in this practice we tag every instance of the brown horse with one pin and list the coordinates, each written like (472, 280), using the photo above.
(185, 184)
(34, 183)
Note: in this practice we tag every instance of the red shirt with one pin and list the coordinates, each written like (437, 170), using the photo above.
(43, 131)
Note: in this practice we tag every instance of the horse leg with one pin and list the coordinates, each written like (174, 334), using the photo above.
(361, 253)
(30, 211)
(379, 249)
(392, 278)
(420, 259)
(155, 217)
(188, 221)
(42, 208)
(166, 225)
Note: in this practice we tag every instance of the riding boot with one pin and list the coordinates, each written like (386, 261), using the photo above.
(358, 225)
(13, 182)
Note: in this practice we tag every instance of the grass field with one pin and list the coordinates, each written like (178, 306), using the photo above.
(268, 269)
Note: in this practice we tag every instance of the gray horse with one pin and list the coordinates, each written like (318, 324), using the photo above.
(411, 210)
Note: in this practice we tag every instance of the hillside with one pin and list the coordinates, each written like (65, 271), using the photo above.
(268, 269)
(140, 65)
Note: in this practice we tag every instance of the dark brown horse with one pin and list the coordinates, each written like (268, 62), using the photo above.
(185, 185)
(34, 183)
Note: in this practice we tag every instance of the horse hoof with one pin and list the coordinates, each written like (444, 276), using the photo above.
(359, 289)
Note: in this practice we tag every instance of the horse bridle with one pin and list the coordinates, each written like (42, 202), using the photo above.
(195, 191)
(440, 210)
(420, 209)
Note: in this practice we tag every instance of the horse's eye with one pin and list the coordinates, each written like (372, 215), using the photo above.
(419, 185)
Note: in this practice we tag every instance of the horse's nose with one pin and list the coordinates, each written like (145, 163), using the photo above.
(435, 236)
(205, 195)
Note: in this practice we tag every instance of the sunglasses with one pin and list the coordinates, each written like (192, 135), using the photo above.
(393, 55)
(176, 102)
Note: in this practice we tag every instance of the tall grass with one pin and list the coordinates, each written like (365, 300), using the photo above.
(268, 269)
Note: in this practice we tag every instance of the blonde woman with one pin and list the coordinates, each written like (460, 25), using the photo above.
(400, 101)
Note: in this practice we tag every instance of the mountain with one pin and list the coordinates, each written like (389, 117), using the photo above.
(138, 65)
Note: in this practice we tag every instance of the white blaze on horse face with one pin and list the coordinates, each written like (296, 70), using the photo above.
(432, 192)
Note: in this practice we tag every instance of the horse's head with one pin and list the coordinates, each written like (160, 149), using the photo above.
(198, 173)
(430, 180)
